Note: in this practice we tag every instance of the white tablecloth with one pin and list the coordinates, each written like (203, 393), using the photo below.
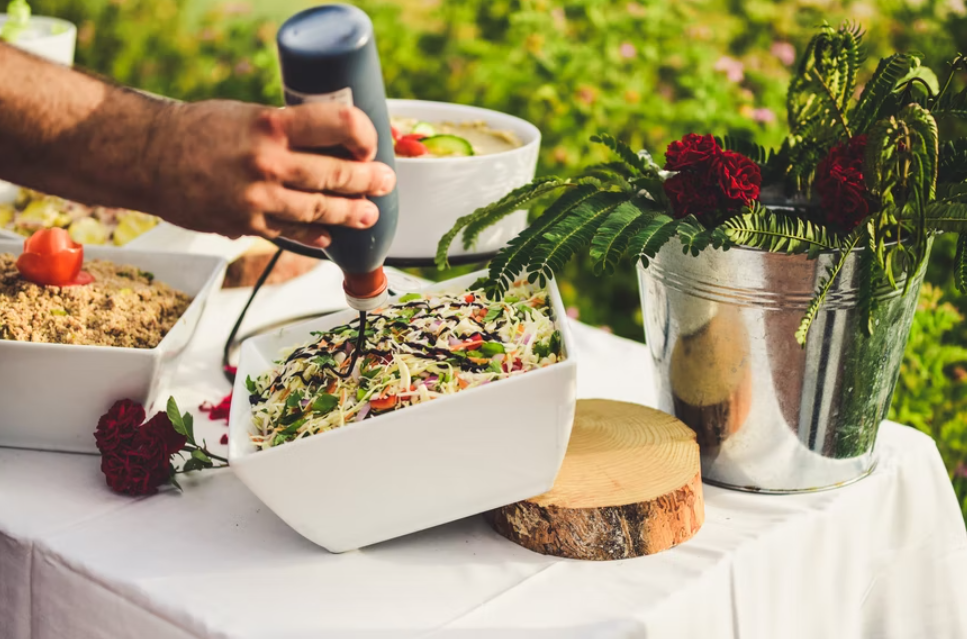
(886, 557)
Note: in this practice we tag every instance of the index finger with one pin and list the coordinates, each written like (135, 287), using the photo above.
(316, 124)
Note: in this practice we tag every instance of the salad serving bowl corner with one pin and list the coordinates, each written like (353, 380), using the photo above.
(414, 468)
(52, 395)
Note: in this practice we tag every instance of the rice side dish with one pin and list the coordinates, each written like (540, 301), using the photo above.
(416, 350)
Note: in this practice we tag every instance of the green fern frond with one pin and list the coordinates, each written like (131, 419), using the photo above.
(506, 205)
(514, 258)
(832, 272)
(758, 154)
(780, 233)
(484, 216)
(946, 216)
(960, 264)
(693, 235)
(879, 89)
(616, 168)
(571, 234)
(625, 152)
(825, 77)
(952, 167)
(611, 241)
(653, 237)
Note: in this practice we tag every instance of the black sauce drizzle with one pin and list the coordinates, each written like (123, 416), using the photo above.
(422, 351)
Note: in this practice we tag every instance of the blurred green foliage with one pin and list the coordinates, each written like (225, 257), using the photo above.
(646, 71)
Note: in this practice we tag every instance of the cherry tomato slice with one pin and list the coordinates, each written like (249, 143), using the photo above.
(382, 403)
(409, 148)
(51, 258)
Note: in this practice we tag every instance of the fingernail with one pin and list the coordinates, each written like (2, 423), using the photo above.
(369, 216)
(322, 241)
(387, 181)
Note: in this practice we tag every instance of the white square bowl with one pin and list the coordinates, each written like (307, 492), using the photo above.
(411, 469)
(52, 395)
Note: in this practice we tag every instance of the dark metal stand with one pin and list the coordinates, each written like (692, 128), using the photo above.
(233, 342)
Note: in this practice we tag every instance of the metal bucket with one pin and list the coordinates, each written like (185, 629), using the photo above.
(770, 415)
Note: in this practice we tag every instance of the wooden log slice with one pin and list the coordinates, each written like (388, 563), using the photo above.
(630, 485)
(246, 270)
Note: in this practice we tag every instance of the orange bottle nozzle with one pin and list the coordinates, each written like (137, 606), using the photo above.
(366, 291)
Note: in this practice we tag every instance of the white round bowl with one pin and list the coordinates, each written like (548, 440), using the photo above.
(50, 38)
(435, 192)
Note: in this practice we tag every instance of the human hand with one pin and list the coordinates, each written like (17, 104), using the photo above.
(234, 168)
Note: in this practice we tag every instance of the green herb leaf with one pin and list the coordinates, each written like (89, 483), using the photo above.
(323, 360)
(278, 439)
(493, 313)
(175, 417)
(511, 299)
(410, 297)
(293, 428)
(324, 403)
(250, 384)
(294, 400)
(495, 367)
(492, 348)
(192, 464)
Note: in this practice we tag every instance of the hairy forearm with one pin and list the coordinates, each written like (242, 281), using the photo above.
(64, 132)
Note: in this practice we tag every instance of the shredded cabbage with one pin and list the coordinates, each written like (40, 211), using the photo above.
(419, 349)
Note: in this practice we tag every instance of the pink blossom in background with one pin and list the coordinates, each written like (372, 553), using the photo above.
(627, 50)
(573, 312)
(785, 52)
(764, 115)
(559, 17)
(961, 470)
(237, 8)
(734, 70)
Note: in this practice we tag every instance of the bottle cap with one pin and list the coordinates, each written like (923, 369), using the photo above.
(366, 291)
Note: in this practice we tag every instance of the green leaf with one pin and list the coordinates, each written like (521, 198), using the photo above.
(632, 160)
(514, 258)
(493, 313)
(483, 217)
(192, 464)
(952, 167)
(824, 287)
(174, 416)
(294, 427)
(889, 73)
(410, 297)
(202, 457)
(492, 348)
(946, 216)
(611, 240)
(572, 234)
(250, 384)
(779, 233)
(960, 264)
(653, 237)
(758, 154)
(189, 423)
(324, 403)
(294, 400)
(495, 367)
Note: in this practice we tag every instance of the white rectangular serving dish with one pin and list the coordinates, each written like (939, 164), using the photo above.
(163, 238)
(52, 395)
(415, 468)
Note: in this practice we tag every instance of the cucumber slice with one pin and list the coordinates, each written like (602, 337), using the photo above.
(423, 128)
(447, 145)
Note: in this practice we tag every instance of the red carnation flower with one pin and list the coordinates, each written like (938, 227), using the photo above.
(739, 179)
(117, 428)
(692, 150)
(841, 185)
(690, 194)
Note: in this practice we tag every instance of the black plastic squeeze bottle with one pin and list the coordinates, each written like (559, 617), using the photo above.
(328, 54)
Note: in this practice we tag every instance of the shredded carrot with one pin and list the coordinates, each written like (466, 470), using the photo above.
(462, 382)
